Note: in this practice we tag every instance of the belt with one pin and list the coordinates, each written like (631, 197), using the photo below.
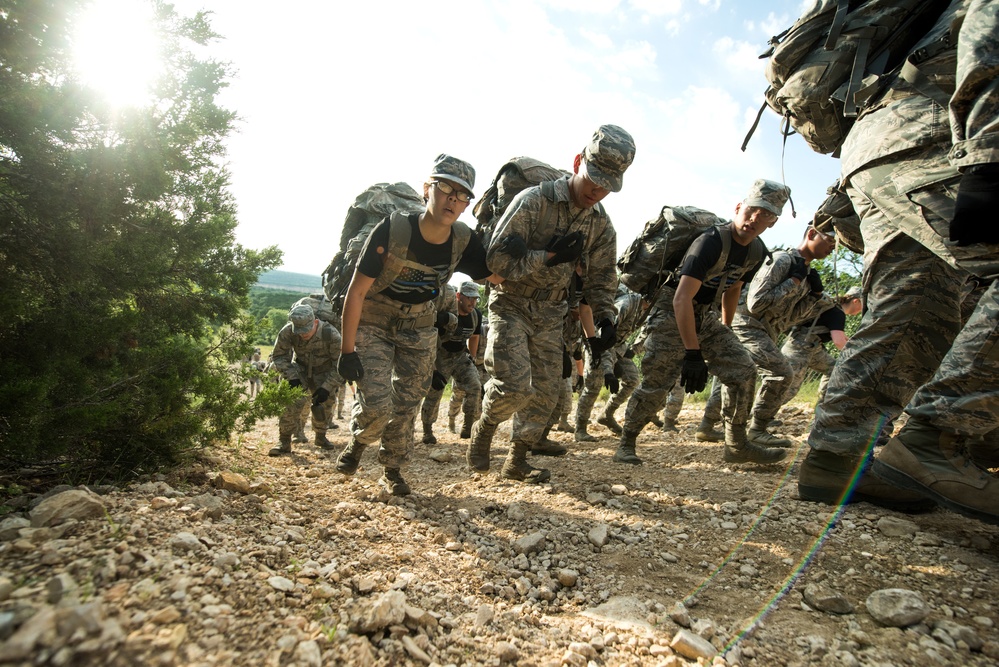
(535, 293)
(394, 322)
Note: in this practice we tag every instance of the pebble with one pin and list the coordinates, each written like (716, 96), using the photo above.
(691, 645)
(281, 584)
(827, 600)
(599, 535)
(896, 607)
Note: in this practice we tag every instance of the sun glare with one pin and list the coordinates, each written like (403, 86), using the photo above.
(116, 50)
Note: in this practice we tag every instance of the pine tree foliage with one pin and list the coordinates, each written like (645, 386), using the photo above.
(121, 284)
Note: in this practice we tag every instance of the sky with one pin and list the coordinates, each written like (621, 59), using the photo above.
(335, 96)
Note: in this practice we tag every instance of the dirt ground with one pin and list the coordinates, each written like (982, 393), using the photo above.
(683, 560)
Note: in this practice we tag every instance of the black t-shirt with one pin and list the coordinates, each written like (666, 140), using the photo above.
(468, 326)
(833, 319)
(703, 254)
(412, 285)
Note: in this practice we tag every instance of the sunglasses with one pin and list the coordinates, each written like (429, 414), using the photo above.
(448, 189)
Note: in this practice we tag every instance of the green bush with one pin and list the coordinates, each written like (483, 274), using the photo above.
(122, 288)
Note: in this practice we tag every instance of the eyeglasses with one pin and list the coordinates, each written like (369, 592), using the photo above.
(448, 189)
(765, 216)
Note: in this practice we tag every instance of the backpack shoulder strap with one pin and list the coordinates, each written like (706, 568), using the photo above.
(725, 234)
(461, 234)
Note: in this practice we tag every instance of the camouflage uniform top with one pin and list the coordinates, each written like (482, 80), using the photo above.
(306, 360)
(599, 252)
(772, 301)
(912, 120)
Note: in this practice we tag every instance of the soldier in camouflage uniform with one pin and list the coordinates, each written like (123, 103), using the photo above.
(538, 243)
(390, 321)
(619, 362)
(925, 184)
(454, 360)
(305, 354)
(783, 293)
(458, 402)
(685, 327)
(323, 309)
(805, 346)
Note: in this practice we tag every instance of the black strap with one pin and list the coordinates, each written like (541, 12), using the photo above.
(759, 114)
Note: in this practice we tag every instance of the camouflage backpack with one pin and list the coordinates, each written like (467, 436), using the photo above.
(835, 58)
(322, 307)
(651, 259)
(397, 201)
(517, 174)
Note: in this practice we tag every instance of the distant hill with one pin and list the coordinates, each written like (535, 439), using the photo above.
(290, 282)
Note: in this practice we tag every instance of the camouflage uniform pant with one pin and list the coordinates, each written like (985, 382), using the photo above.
(524, 359)
(627, 375)
(293, 418)
(459, 367)
(726, 358)
(397, 369)
(564, 402)
(805, 352)
(593, 381)
(461, 403)
(913, 284)
(774, 370)
(674, 403)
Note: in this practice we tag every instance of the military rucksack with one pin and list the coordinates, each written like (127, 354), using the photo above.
(835, 58)
(397, 201)
(653, 257)
(517, 174)
(322, 307)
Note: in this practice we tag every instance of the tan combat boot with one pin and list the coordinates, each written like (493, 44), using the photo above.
(935, 464)
(350, 458)
(517, 468)
(477, 455)
(626, 450)
(740, 450)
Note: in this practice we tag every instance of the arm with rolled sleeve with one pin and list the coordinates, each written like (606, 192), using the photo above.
(974, 107)
(284, 353)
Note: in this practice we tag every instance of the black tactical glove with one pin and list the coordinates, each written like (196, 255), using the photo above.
(629, 353)
(694, 374)
(438, 381)
(578, 387)
(798, 268)
(613, 386)
(815, 282)
(566, 364)
(320, 396)
(567, 248)
(513, 245)
(349, 367)
(295, 383)
(604, 340)
(976, 206)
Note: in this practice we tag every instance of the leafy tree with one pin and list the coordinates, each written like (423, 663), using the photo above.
(121, 285)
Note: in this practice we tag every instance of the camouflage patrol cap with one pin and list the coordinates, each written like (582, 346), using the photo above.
(468, 288)
(854, 293)
(607, 156)
(770, 195)
(302, 318)
(455, 170)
